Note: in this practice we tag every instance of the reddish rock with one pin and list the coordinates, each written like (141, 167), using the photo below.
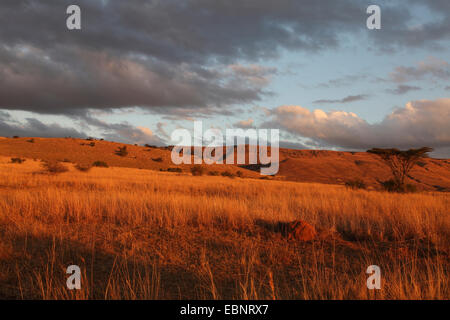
(301, 231)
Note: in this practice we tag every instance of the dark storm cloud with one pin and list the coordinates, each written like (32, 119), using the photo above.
(121, 132)
(35, 128)
(181, 54)
(62, 81)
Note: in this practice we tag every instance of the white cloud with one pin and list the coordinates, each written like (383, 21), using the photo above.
(245, 124)
(419, 123)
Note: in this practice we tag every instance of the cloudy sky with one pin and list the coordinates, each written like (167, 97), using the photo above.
(137, 70)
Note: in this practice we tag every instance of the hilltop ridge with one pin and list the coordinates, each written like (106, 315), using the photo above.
(322, 166)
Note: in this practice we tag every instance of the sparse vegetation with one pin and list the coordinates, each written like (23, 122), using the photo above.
(101, 164)
(54, 167)
(83, 168)
(228, 174)
(356, 184)
(197, 170)
(30, 140)
(213, 173)
(122, 151)
(17, 160)
(159, 159)
(400, 163)
(392, 185)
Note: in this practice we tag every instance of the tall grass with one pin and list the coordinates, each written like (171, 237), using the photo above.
(139, 234)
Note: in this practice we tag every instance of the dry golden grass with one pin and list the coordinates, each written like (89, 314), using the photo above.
(140, 234)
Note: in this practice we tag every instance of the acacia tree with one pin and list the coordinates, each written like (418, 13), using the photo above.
(401, 162)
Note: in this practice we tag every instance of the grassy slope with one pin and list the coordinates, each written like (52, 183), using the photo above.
(296, 165)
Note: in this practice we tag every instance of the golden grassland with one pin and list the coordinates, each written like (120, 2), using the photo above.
(141, 234)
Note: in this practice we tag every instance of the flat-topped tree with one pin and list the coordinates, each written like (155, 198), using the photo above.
(401, 162)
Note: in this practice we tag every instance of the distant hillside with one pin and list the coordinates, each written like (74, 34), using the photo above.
(337, 167)
(330, 167)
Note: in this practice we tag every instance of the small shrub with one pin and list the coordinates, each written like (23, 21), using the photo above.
(239, 174)
(17, 160)
(393, 186)
(101, 164)
(122, 151)
(54, 167)
(228, 174)
(157, 159)
(359, 162)
(213, 173)
(149, 146)
(15, 137)
(92, 144)
(178, 170)
(66, 160)
(30, 140)
(83, 168)
(390, 185)
(197, 170)
(355, 184)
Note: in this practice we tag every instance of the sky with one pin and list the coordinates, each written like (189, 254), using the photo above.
(137, 70)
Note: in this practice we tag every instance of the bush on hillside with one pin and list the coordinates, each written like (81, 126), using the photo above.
(122, 151)
(54, 167)
(101, 164)
(17, 160)
(392, 185)
(356, 184)
(83, 168)
(197, 170)
(228, 174)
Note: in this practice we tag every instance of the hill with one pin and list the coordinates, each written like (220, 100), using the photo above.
(329, 167)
